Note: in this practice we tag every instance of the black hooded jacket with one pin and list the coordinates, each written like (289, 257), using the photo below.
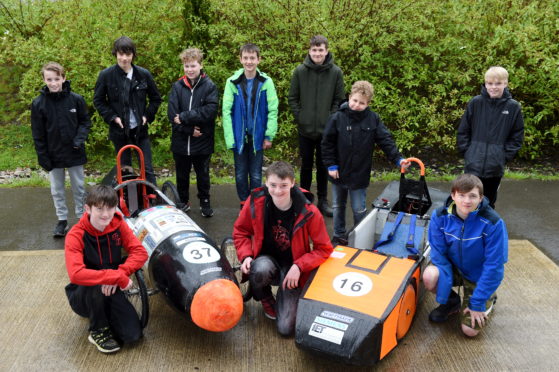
(490, 134)
(196, 104)
(348, 142)
(60, 125)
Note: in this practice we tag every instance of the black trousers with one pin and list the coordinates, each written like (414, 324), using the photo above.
(490, 188)
(183, 165)
(265, 272)
(311, 154)
(144, 145)
(105, 311)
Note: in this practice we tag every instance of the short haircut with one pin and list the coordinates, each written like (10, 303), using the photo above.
(55, 67)
(249, 48)
(102, 195)
(124, 45)
(465, 183)
(497, 73)
(192, 54)
(281, 169)
(318, 40)
(364, 88)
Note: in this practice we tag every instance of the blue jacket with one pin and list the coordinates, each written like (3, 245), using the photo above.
(477, 246)
(265, 111)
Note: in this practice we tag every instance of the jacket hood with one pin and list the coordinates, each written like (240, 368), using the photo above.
(506, 95)
(300, 197)
(449, 206)
(240, 75)
(65, 90)
(328, 63)
(201, 80)
(86, 225)
(354, 115)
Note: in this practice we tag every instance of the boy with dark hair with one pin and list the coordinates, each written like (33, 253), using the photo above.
(491, 131)
(250, 119)
(347, 149)
(317, 89)
(98, 273)
(273, 237)
(469, 247)
(121, 95)
(60, 125)
(192, 111)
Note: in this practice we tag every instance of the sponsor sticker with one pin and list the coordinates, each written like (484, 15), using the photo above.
(326, 333)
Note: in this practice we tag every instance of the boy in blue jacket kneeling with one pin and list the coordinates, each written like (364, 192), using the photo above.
(469, 242)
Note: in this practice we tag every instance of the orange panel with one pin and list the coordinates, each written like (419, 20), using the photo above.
(407, 311)
(359, 280)
(389, 327)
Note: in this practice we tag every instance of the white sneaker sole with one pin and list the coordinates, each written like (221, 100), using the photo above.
(100, 348)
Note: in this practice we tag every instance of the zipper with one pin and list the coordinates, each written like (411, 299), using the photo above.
(190, 108)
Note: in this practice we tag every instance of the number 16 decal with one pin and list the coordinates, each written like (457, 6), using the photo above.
(352, 284)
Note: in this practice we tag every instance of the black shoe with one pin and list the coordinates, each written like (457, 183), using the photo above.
(337, 240)
(103, 340)
(205, 208)
(60, 229)
(441, 313)
(324, 208)
(185, 207)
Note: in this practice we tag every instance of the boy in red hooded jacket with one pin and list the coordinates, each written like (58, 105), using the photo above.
(98, 273)
(272, 236)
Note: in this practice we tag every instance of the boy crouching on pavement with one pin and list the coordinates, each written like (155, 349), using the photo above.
(98, 272)
(273, 240)
(469, 248)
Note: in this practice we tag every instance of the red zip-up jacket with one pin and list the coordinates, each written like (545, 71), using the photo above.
(248, 231)
(94, 257)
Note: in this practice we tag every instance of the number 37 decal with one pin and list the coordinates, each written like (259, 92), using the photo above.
(200, 253)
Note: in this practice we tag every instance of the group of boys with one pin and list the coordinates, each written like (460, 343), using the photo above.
(278, 221)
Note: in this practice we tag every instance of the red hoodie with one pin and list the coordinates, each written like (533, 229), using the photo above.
(94, 257)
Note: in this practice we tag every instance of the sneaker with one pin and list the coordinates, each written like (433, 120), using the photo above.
(205, 208)
(337, 240)
(441, 313)
(324, 208)
(60, 229)
(103, 340)
(269, 307)
(185, 207)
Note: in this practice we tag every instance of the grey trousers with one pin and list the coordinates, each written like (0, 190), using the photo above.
(57, 177)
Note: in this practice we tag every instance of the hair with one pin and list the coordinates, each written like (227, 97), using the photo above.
(192, 54)
(250, 48)
(102, 195)
(124, 45)
(281, 169)
(55, 67)
(364, 88)
(318, 40)
(497, 73)
(465, 183)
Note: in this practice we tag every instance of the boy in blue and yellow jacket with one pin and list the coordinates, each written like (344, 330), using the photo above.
(250, 116)
(469, 247)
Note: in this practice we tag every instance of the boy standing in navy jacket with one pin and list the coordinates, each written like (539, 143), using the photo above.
(192, 111)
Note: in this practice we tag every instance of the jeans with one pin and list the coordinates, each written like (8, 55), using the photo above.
(248, 169)
(311, 152)
(145, 146)
(57, 177)
(358, 200)
(265, 272)
(183, 165)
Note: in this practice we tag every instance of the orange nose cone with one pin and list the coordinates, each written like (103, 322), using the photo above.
(217, 306)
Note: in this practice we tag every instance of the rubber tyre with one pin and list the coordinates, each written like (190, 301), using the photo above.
(138, 296)
(407, 311)
(228, 249)
(170, 191)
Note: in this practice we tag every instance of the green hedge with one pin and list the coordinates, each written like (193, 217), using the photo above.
(426, 59)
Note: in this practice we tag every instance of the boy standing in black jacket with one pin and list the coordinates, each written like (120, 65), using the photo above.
(60, 125)
(347, 151)
(491, 132)
(192, 111)
(121, 95)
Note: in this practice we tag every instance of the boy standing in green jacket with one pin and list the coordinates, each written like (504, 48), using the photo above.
(316, 91)
(250, 119)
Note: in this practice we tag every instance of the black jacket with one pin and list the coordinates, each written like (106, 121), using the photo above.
(196, 106)
(60, 125)
(315, 93)
(490, 134)
(348, 142)
(115, 95)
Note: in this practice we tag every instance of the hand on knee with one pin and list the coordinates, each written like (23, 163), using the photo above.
(470, 332)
